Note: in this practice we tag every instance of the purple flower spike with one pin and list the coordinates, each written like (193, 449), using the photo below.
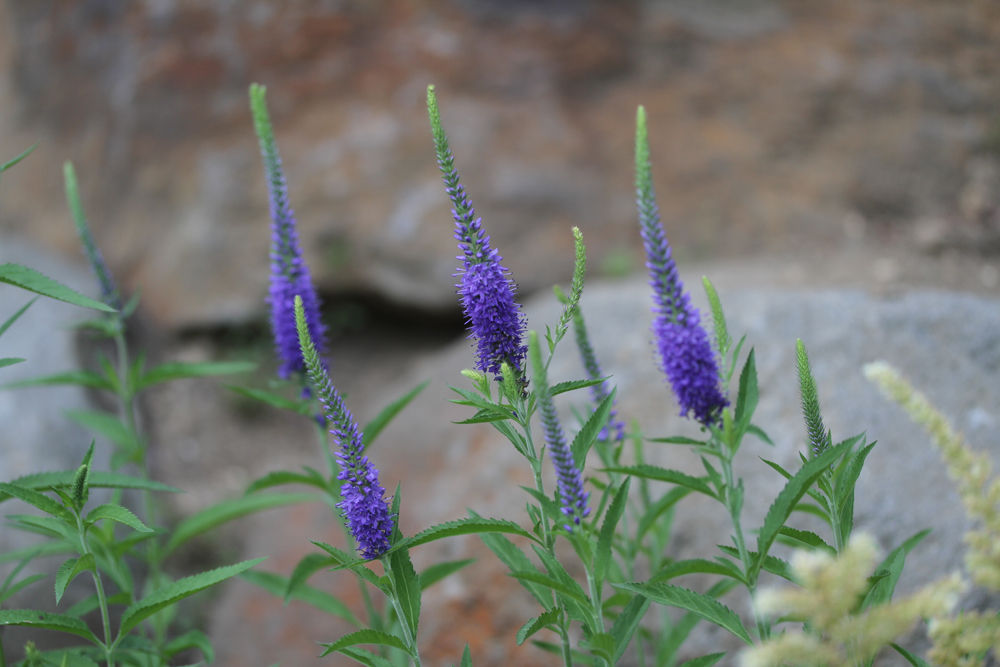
(686, 354)
(362, 498)
(494, 317)
(289, 273)
(572, 497)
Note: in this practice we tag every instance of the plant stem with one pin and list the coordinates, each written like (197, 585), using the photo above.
(102, 599)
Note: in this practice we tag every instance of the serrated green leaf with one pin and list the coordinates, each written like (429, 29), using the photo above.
(627, 623)
(469, 526)
(746, 399)
(366, 636)
(37, 500)
(697, 566)
(47, 621)
(592, 428)
(805, 538)
(191, 639)
(533, 625)
(178, 590)
(118, 514)
(600, 644)
(772, 564)
(34, 281)
(702, 605)
(845, 480)
(296, 405)
(366, 658)
(228, 510)
(68, 571)
(277, 585)
(10, 361)
(87, 379)
(466, 657)
(177, 370)
(282, 477)
(722, 338)
(659, 474)
(375, 426)
(572, 385)
(406, 588)
(789, 497)
(97, 479)
(438, 571)
(608, 529)
(106, 424)
(44, 525)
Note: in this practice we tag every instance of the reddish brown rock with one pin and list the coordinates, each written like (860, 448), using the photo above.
(771, 124)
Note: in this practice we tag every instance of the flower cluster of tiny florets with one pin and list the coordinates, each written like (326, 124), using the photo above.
(839, 632)
(686, 353)
(289, 273)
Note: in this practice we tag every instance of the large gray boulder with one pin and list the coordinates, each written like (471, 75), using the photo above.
(947, 343)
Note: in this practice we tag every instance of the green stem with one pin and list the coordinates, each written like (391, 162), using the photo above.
(735, 508)
(102, 600)
(567, 652)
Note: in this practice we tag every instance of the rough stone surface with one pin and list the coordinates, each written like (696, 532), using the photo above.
(946, 343)
(769, 119)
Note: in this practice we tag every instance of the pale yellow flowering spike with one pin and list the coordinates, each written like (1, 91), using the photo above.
(971, 471)
(827, 601)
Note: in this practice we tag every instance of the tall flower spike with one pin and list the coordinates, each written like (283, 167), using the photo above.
(572, 497)
(109, 292)
(686, 354)
(289, 273)
(615, 430)
(362, 498)
(494, 317)
(819, 437)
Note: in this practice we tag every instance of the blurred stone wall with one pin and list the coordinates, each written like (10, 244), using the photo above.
(773, 123)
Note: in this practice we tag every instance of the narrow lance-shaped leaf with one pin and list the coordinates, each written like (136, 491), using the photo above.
(34, 281)
(178, 590)
(703, 605)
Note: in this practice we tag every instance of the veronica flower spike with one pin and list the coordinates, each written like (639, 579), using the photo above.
(686, 354)
(572, 497)
(494, 318)
(289, 273)
(109, 292)
(362, 498)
